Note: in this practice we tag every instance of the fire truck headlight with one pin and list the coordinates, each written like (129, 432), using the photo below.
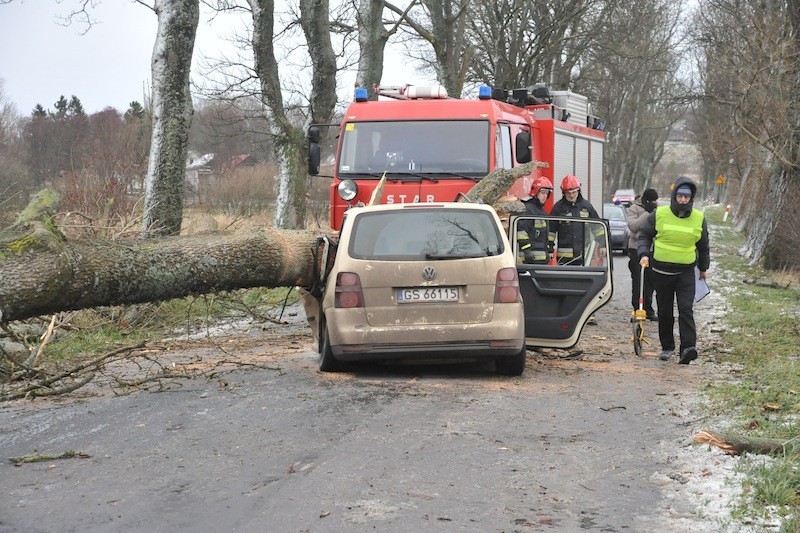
(348, 190)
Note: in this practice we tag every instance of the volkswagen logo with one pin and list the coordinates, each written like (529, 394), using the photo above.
(429, 273)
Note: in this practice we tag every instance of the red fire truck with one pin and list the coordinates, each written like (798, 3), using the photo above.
(433, 148)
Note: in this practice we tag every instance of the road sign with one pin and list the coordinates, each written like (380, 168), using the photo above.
(720, 179)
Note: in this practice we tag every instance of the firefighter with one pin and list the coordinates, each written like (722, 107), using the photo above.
(672, 242)
(570, 236)
(535, 238)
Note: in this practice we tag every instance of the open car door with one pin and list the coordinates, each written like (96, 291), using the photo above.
(559, 298)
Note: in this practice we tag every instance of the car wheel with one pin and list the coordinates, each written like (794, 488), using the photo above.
(511, 365)
(327, 361)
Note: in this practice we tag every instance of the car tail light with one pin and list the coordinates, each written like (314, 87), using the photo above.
(506, 288)
(348, 291)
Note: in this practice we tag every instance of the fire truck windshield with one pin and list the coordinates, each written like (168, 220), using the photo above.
(450, 148)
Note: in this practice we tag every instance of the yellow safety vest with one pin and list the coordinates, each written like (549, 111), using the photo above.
(676, 238)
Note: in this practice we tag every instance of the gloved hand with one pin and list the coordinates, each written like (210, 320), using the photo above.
(650, 206)
(644, 261)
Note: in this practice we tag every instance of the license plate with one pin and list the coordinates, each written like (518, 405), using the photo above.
(427, 294)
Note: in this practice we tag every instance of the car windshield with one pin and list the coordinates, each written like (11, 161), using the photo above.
(614, 212)
(425, 233)
(415, 147)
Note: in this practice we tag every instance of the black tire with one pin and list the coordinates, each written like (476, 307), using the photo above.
(511, 365)
(327, 361)
(637, 338)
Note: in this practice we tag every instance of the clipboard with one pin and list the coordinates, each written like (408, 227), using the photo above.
(701, 289)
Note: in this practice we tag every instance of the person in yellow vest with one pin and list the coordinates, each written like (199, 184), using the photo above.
(671, 243)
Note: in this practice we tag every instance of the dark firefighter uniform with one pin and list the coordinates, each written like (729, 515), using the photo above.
(571, 236)
(534, 236)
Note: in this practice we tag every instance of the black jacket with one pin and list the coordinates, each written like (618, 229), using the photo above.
(571, 235)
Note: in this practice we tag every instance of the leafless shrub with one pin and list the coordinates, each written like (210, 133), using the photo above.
(244, 191)
(95, 195)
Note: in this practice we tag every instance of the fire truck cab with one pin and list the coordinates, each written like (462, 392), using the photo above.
(433, 147)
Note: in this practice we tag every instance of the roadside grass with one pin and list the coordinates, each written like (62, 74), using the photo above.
(762, 338)
(94, 331)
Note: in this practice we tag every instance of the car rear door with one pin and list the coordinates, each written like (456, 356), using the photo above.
(559, 299)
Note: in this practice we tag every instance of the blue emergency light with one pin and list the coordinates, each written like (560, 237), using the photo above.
(361, 94)
(484, 92)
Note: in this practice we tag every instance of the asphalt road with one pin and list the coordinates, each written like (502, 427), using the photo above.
(572, 445)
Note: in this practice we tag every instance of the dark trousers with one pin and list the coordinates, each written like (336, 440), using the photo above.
(636, 272)
(668, 288)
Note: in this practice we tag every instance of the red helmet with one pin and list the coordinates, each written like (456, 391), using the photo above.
(541, 183)
(570, 181)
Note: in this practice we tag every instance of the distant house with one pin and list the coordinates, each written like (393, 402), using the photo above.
(244, 160)
(198, 175)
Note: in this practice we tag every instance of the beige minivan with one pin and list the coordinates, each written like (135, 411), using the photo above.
(440, 281)
(422, 281)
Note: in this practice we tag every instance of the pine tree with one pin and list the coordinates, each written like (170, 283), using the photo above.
(38, 111)
(75, 107)
(135, 112)
(61, 108)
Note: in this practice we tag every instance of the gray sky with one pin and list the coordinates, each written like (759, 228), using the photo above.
(41, 59)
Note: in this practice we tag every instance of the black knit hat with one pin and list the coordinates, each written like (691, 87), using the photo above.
(649, 195)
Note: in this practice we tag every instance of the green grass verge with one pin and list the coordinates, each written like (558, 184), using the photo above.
(98, 330)
(762, 338)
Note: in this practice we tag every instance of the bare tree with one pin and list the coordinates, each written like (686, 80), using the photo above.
(632, 72)
(288, 138)
(519, 42)
(372, 38)
(752, 73)
(442, 25)
(172, 115)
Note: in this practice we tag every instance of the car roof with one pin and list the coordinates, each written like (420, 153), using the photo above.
(420, 205)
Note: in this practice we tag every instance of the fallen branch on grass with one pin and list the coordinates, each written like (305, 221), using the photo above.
(39, 457)
(769, 284)
(66, 381)
(734, 444)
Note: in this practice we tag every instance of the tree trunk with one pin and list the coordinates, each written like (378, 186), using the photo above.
(372, 39)
(763, 224)
(288, 140)
(41, 272)
(172, 115)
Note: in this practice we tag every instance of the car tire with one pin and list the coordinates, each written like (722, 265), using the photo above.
(327, 361)
(511, 365)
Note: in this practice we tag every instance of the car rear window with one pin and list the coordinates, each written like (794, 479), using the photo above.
(420, 233)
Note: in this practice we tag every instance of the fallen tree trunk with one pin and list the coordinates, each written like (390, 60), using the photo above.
(42, 272)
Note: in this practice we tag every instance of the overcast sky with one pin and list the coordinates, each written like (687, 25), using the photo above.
(41, 59)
